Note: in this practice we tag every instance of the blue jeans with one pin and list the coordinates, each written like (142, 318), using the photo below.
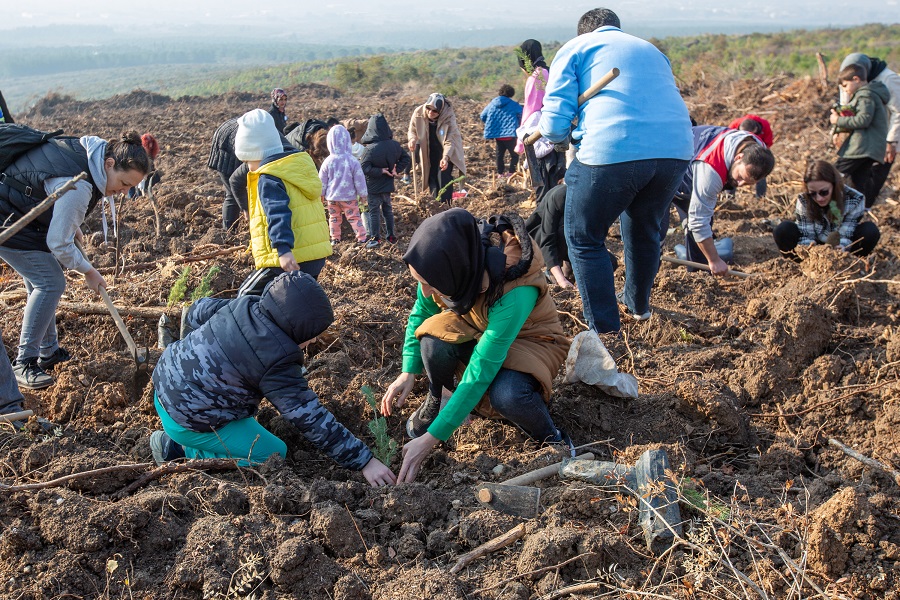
(10, 397)
(45, 284)
(378, 204)
(638, 193)
(244, 439)
(515, 395)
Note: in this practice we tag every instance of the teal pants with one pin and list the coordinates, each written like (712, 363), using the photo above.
(244, 439)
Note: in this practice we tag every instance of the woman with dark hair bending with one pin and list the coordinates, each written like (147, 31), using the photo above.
(39, 252)
(827, 212)
(483, 326)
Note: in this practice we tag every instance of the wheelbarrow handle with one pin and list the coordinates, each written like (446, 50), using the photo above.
(587, 95)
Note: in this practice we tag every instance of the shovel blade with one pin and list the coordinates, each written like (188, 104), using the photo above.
(517, 500)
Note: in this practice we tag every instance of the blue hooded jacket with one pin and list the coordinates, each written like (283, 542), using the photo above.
(501, 118)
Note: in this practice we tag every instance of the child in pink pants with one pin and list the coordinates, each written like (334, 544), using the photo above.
(343, 184)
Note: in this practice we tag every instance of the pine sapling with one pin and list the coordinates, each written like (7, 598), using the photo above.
(385, 445)
(205, 288)
(176, 294)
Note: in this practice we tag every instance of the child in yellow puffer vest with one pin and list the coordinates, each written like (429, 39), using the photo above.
(288, 229)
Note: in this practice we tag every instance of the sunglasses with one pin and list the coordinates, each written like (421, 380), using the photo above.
(820, 193)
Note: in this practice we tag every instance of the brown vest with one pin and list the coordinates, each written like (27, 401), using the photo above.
(541, 346)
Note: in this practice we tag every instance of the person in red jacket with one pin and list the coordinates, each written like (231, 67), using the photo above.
(761, 129)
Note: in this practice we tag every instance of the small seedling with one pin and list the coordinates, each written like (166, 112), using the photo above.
(176, 294)
(205, 288)
(459, 180)
(685, 336)
(385, 445)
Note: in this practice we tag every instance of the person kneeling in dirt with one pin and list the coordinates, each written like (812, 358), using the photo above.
(545, 225)
(724, 159)
(288, 229)
(485, 308)
(209, 384)
(827, 212)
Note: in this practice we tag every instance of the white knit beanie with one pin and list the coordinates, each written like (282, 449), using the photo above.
(256, 136)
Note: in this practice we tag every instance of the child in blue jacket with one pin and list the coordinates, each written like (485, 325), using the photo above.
(210, 383)
(501, 118)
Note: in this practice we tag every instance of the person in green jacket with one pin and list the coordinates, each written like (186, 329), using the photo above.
(868, 128)
(483, 328)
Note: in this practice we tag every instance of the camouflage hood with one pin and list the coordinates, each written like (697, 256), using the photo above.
(298, 305)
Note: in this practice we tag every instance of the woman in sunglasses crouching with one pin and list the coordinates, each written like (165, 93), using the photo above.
(827, 212)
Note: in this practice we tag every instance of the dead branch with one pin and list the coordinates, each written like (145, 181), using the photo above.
(573, 317)
(129, 311)
(501, 541)
(869, 462)
(823, 71)
(176, 261)
(59, 481)
(535, 572)
(201, 464)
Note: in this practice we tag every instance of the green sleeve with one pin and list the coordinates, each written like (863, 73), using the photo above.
(421, 310)
(505, 320)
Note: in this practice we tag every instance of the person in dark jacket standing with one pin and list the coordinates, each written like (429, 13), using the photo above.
(501, 118)
(223, 160)
(382, 161)
(279, 101)
(39, 252)
(209, 384)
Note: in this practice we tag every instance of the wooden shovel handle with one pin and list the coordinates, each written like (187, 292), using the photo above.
(587, 95)
(16, 416)
(702, 267)
(119, 322)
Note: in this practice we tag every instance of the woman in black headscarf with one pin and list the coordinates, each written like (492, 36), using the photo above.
(483, 323)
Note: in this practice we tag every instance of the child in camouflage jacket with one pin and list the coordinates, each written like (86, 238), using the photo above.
(209, 384)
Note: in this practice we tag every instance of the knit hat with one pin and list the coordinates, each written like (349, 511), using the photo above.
(435, 101)
(151, 146)
(256, 136)
(857, 58)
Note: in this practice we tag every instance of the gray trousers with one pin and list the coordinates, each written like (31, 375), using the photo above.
(45, 284)
(10, 397)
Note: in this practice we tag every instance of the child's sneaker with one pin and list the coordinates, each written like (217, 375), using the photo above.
(392, 239)
(620, 297)
(164, 448)
(373, 243)
(405, 180)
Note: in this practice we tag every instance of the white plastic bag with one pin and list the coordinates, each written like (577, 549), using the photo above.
(542, 147)
(590, 362)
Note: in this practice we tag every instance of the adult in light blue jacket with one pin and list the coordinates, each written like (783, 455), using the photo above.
(501, 118)
(633, 143)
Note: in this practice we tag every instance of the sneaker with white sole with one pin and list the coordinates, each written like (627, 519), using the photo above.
(164, 448)
(620, 297)
(419, 422)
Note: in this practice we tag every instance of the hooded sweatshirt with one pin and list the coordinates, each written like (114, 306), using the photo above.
(382, 152)
(70, 210)
(341, 173)
(245, 349)
(869, 126)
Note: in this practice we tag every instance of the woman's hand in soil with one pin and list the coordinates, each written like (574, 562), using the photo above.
(414, 454)
(288, 262)
(397, 392)
(377, 474)
(93, 279)
(561, 280)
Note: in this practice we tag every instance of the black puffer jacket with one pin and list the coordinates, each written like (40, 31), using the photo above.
(298, 135)
(245, 349)
(382, 152)
(221, 154)
(60, 157)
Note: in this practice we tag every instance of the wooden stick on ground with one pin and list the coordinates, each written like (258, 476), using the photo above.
(543, 472)
(869, 462)
(702, 267)
(16, 416)
(501, 541)
(177, 261)
(201, 464)
(59, 481)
